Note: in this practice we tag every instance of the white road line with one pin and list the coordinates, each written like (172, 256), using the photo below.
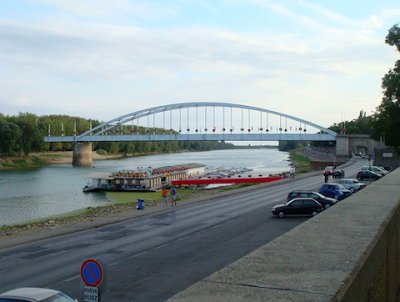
(158, 247)
(183, 238)
(73, 278)
(139, 254)
(114, 263)
(229, 221)
(216, 226)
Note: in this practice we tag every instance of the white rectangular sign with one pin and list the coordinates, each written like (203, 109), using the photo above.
(90, 294)
(387, 154)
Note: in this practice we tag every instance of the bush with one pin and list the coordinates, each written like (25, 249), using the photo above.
(102, 152)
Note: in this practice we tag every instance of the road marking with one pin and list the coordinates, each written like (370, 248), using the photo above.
(114, 263)
(216, 226)
(73, 278)
(139, 254)
(158, 247)
(183, 238)
(229, 221)
(260, 210)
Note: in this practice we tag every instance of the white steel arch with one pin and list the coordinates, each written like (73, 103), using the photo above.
(97, 133)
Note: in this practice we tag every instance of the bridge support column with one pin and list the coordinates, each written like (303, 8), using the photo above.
(82, 155)
(342, 148)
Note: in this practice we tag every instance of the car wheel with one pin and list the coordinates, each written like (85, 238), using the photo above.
(359, 178)
(314, 213)
(327, 206)
(352, 190)
(336, 196)
(281, 214)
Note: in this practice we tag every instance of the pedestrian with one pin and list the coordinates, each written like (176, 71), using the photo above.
(164, 196)
(326, 177)
(173, 195)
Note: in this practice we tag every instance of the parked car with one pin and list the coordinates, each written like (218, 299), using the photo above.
(298, 206)
(33, 294)
(334, 190)
(352, 184)
(338, 173)
(326, 202)
(368, 175)
(328, 170)
(375, 169)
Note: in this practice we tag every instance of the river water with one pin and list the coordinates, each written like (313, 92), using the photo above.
(34, 193)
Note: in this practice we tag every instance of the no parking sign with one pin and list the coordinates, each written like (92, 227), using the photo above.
(93, 276)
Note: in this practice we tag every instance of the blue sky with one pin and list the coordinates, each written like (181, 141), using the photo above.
(99, 59)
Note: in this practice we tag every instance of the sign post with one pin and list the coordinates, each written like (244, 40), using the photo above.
(93, 279)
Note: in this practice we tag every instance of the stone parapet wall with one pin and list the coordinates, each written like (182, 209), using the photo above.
(350, 252)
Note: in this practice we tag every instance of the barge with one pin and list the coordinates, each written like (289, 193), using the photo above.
(142, 179)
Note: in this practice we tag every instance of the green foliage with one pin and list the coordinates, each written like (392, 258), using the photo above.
(20, 162)
(386, 120)
(102, 152)
(289, 145)
(361, 125)
(37, 162)
(24, 133)
(10, 135)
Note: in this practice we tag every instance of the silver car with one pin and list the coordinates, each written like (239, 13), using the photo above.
(352, 184)
(33, 294)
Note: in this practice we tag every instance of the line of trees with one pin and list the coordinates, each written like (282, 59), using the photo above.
(23, 134)
(386, 120)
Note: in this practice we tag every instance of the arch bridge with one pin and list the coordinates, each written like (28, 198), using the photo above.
(198, 122)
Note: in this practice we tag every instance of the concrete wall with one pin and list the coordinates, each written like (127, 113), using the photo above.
(388, 157)
(82, 155)
(350, 252)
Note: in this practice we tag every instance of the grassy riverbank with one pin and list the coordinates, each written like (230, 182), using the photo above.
(300, 162)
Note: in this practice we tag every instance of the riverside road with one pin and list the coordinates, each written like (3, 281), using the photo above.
(154, 257)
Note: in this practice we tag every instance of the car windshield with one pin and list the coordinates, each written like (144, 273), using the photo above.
(339, 187)
(60, 297)
(318, 194)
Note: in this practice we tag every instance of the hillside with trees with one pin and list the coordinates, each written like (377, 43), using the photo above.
(23, 134)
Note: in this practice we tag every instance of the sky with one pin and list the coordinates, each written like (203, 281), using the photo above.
(321, 61)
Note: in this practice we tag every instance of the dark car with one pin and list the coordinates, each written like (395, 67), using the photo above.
(366, 174)
(32, 294)
(334, 190)
(298, 206)
(338, 173)
(328, 170)
(326, 202)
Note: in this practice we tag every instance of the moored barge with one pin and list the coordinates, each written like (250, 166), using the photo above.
(142, 179)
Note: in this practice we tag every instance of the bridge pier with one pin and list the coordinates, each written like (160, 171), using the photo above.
(82, 155)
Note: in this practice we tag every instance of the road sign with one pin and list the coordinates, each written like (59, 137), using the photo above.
(91, 273)
(90, 294)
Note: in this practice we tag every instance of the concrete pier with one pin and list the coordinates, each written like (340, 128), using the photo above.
(82, 155)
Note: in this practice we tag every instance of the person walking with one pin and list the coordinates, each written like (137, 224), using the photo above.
(164, 196)
(173, 195)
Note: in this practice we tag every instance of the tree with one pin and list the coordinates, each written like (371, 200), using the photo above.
(30, 139)
(9, 137)
(386, 120)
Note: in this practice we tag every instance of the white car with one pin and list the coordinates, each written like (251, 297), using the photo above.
(352, 184)
(375, 169)
(33, 294)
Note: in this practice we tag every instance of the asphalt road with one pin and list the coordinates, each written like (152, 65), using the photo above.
(153, 258)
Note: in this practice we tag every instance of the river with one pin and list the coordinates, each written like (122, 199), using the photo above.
(34, 193)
